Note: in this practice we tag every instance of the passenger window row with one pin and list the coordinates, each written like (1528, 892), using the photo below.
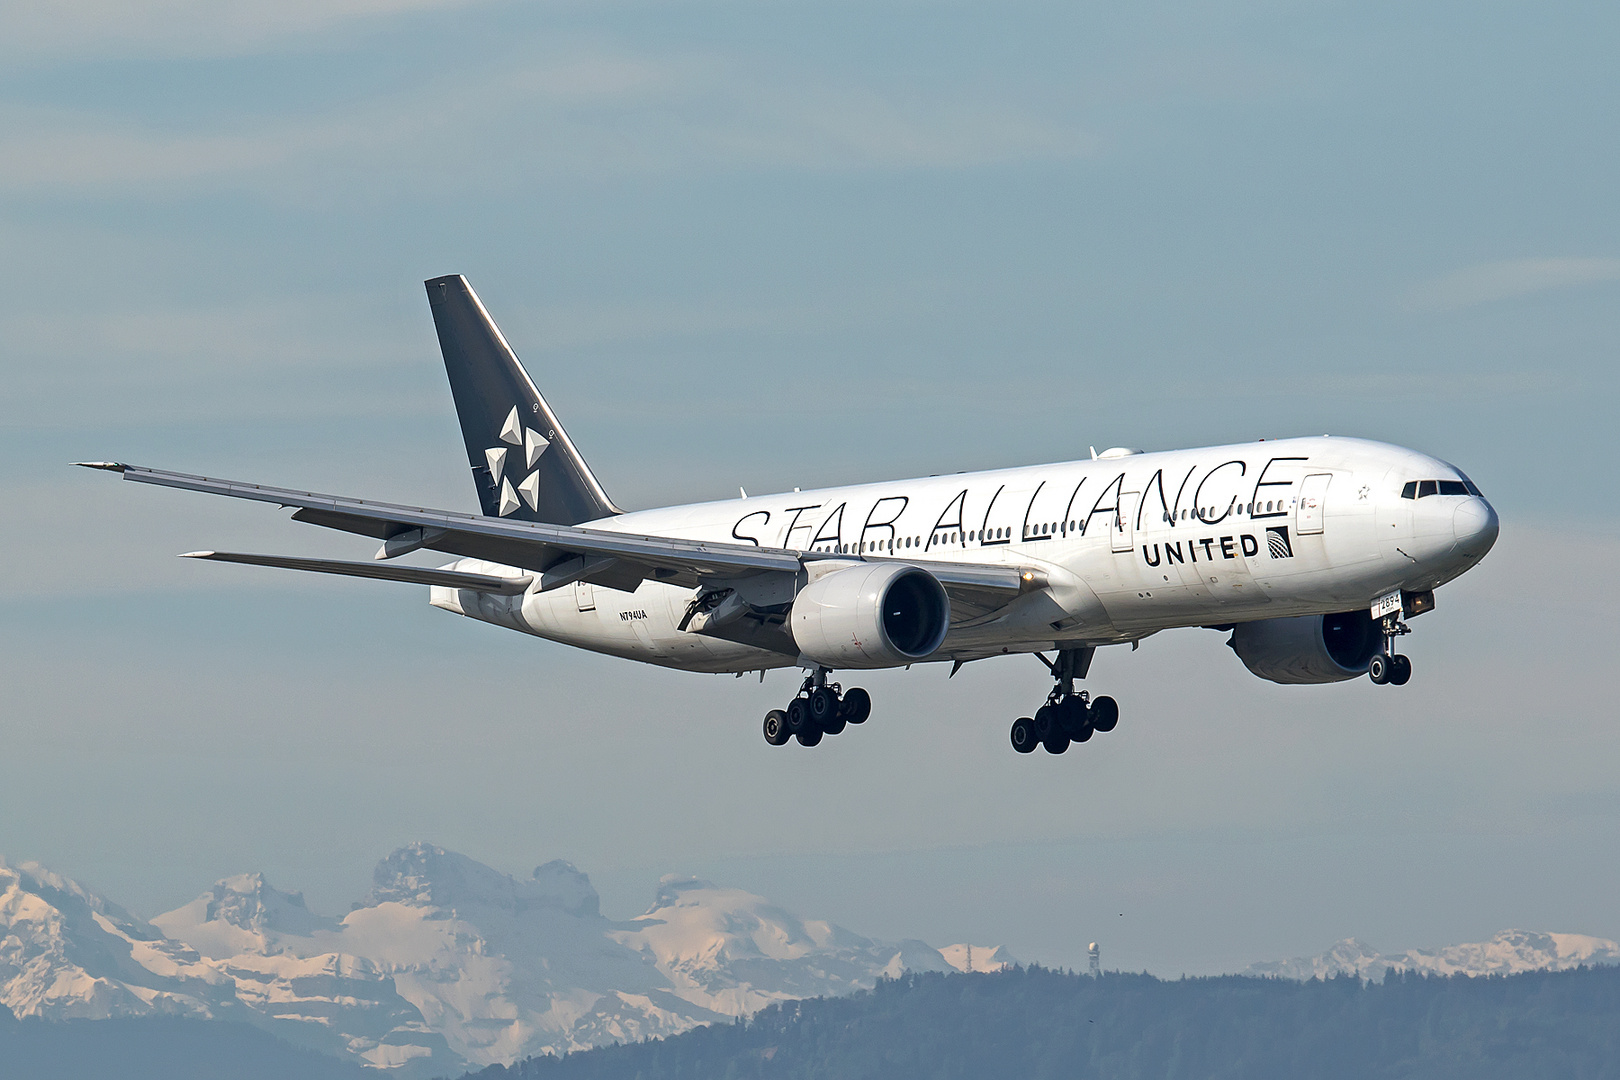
(1422, 489)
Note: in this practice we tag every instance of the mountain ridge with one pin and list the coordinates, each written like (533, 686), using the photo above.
(1509, 952)
(446, 963)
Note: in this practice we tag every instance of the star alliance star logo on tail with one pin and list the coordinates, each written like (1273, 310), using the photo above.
(1277, 542)
(533, 444)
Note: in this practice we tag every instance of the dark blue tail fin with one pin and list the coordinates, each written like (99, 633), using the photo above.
(522, 461)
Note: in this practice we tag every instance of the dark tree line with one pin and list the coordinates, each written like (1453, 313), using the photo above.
(1034, 1023)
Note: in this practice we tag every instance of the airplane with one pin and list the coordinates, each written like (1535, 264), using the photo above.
(1312, 553)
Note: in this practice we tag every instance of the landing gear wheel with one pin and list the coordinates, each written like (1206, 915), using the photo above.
(809, 736)
(1023, 735)
(1400, 669)
(1048, 724)
(1378, 668)
(776, 732)
(856, 706)
(1057, 742)
(835, 725)
(1075, 717)
(823, 706)
(1104, 714)
(798, 717)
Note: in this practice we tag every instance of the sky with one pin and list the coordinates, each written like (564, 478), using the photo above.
(790, 244)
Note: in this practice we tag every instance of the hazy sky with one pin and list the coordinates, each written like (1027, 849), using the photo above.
(779, 244)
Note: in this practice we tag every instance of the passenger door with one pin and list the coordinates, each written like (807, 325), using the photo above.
(1124, 531)
(1308, 517)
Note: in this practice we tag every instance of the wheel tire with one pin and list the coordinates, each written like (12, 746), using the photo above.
(809, 736)
(776, 732)
(1075, 717)
(1023, 735)
(1057, 742)
(1105, 714)
(1378, 668)
(1048, 722)
(1084, 734)
(856, 705)
(835, 725)
(1400, 670)
(823, 706)
(798, 716)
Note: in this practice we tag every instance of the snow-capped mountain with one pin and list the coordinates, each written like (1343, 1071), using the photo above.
(446, 964)
(977, 957)
(1507, 953)
(66, 953)
(731, 952)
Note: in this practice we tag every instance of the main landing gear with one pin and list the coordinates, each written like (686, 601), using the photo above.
(1068, 716)
(820, 708)
(1389, 666)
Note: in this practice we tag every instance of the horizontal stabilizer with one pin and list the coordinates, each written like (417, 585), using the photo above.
(414, 575)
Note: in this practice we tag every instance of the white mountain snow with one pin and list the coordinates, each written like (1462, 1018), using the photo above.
(731, 952)
(446, 964)
(1509, 952)
(66, 953)
(977, 957)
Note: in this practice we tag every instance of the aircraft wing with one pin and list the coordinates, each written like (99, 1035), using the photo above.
(562, 554)
(413, 575)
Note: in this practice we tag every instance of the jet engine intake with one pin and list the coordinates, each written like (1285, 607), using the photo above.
(1308, 648)
(870, 616)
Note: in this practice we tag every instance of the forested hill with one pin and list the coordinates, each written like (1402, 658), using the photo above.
(1031, 1023)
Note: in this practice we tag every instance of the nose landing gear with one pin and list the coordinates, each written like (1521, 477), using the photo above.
(1389, 666)
(1068, 716)
(820, 708)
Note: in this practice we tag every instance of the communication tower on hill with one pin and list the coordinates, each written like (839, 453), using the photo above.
(1095, 956)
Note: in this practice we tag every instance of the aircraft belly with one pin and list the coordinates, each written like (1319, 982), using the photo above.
(635, 626)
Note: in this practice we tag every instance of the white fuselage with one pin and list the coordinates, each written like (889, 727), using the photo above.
(1129, 545)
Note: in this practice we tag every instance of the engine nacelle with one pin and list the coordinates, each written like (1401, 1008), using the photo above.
(870, 616)
(1308, 648)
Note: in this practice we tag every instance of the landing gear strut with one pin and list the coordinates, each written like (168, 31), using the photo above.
(820, 708)
(1069, 716)
(1389, 666)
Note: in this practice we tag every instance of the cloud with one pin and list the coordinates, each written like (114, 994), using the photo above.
(1508, 278)
(76, 28)
(579, 112)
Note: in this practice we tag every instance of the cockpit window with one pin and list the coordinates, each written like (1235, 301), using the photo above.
(1422, 489)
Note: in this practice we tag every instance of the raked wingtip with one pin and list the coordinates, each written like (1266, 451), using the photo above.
(197, 554)
(110, 466)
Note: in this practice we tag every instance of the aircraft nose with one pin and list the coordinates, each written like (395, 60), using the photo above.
(1475, 526)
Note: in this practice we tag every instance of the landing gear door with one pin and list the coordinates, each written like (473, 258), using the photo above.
(1124, 533)
(1312, 500)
